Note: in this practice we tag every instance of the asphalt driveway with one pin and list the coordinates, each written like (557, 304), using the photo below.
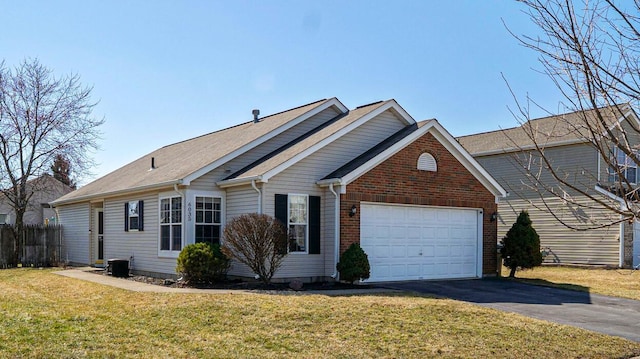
(599, 313)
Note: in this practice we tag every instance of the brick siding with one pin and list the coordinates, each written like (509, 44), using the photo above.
(397, 180)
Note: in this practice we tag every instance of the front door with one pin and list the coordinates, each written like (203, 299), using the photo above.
(98, 239)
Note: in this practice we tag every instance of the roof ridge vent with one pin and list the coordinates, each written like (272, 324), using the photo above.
(256, 113)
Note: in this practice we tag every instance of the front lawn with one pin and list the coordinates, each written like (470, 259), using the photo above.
(623, 283)
(45, 315)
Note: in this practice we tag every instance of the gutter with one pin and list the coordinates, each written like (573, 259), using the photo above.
(239, 181)
(336, 232)
(115, 193)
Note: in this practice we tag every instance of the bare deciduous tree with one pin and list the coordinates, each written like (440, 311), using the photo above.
(591, 52)
(41, 116)
(257, 240)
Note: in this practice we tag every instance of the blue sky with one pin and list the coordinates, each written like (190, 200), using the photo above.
(165, 71)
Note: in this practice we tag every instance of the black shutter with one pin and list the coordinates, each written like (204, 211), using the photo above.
(141, 215)
(281, 208)
(126, 216)
(281, 215)
(314, 225)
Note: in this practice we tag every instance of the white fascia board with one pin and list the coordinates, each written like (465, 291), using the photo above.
(456, 149)
(365, 118)
(528, 147)
(384, 155)
(447, 141)
(327, 182)
(404, 115)
(239, 181)
(100, 196)
(264, 138)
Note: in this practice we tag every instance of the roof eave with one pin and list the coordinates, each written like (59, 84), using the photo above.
(240, 181)
(93, 196)
(450, 144)
(221, 161)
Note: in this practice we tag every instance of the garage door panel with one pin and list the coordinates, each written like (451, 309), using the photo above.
(398, 251)
(412, 242)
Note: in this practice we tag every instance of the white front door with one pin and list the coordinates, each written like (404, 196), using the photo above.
(420, 242)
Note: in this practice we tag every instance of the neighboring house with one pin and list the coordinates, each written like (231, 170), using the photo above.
(45, 189)
(415, 200)
(507, 154)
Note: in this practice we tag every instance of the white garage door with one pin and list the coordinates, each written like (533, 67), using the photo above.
(414, 242)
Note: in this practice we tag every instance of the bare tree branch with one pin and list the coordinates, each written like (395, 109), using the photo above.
(590, 50)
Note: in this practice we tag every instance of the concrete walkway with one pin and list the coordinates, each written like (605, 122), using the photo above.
(134, 286)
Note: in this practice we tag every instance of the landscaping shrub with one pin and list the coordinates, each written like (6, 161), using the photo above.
(354, 264)
(521, 245)
(202, 263)
(257, 240)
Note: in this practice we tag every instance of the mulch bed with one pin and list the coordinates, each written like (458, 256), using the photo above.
(242, 285)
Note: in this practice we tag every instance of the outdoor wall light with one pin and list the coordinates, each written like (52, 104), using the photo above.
(494, 216)
(353, 211)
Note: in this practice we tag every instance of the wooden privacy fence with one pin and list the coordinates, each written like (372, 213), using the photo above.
(37, 246)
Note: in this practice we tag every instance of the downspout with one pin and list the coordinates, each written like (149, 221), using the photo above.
(253, 184)
(622, 238)
(336, 232)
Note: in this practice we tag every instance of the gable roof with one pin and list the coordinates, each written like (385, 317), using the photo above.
(204, 153)
(378, 154)
(563, 129)
(284, 158)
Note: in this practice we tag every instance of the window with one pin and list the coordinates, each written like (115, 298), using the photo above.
(133, 220)
(3, 218)
(301, 214)
(626, 166)
(208, 219)
(298, 211)
(171, 224)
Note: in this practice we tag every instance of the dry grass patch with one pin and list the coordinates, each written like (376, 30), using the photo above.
(623, 283)
(45, 315)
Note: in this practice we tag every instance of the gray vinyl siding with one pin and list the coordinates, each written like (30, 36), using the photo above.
(208, 181)
(328, 230)
(578, 162)
(567, 246)
(301, 178)
(75, 230)
(142, 245)
(240, 200)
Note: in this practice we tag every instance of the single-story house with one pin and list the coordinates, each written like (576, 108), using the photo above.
(419, 205)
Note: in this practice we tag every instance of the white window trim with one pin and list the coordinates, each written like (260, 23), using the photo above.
(213, 211)
(170, 253)
(137, 216)
(623, 167)
(306, 234)
(189, 216)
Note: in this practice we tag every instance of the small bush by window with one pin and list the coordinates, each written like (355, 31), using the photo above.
(202, 263)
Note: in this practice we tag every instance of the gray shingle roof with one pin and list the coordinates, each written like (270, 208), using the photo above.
(177, 161)
(291, 152)
(548, 131)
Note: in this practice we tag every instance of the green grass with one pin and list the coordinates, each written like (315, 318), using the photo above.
(623, 283)
(43, 315)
